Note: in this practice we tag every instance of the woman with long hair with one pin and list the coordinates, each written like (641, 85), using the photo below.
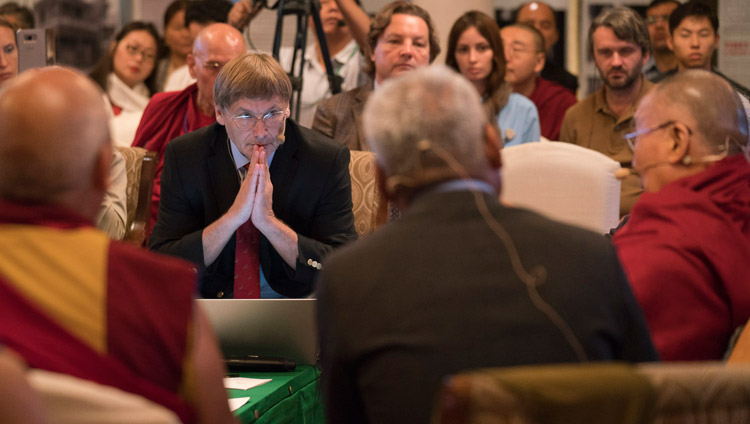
(177, 42)
(476, 51)
(126, 74)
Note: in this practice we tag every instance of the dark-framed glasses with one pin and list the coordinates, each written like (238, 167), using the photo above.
(656, 18)
(135, 51)
(247, 121)
(632, 138)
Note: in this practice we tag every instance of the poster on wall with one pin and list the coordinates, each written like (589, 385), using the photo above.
(734, 40)
(83, 28)
(588, 79)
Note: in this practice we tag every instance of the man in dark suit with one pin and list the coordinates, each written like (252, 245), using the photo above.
(402, 37)
(283, 189)
(460, 281)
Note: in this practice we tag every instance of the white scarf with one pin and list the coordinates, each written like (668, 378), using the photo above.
(129, 99)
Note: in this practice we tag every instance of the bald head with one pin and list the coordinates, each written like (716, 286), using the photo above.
(217, 37)
(214, 46)
(54, 131)
(713, 105)
(542, 17)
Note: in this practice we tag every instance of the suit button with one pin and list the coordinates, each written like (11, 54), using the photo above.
(310, 262)
(220, 294)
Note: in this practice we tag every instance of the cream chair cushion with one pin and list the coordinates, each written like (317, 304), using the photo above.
(563, 181)
(72, 400)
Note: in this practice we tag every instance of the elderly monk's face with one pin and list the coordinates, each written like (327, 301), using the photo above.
(255, 122)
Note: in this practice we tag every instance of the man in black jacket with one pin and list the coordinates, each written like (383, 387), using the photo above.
(284, 189)
(459, 281)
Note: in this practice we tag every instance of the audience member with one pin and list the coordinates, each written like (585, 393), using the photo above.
(282, 189)
(172, 114)
(402, 38)
(693, 36)
(21, 17)
(126, 74)
(686, 245)
(113, 216)
(198, 15)
(694, 39)
(662, 59)
(344, 53)
(19, 403)
(524, 53)
(424, 307)
(618, 41)
(177, 43)
(542, 17)
(476, 51)
(8, 52)
(74, 302)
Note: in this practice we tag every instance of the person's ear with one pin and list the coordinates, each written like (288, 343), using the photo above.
(219, 116)
(679, 136)
(541, 59)
(191, 66)
(380, 180)
(669, 42)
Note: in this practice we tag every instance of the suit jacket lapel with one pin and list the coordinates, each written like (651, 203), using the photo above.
(224, 182)
(283, 167)
(357, 110)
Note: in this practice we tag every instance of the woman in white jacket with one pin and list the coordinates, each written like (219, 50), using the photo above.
(126, 74)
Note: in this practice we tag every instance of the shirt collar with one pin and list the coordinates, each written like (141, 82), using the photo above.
(461, 185)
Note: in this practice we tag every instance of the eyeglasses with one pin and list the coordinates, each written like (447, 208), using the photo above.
(213, 66)
(136, 51)
(656, 18)
(247, 121)
(632, 138)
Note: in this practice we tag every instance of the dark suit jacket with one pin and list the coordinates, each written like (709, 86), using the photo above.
(311, 194)
(340, 117)
(435, 293)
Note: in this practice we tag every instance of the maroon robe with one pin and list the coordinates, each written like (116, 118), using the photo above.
(145, 331)
(167, 116)
(685, 251)
(552, 101)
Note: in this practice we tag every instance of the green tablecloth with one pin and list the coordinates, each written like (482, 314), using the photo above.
(290, 397)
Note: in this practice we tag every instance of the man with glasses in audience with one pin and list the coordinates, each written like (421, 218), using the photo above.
(686, 244)
(254, 200)
(662, 59)
(619, 44)
(172, 114)
(525, 58)
(541, 16)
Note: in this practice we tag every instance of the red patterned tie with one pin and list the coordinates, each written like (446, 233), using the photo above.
(246, 264)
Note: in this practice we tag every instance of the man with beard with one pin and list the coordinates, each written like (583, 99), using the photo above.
(619, 43)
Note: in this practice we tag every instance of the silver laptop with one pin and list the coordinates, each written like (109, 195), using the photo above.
(284, 328)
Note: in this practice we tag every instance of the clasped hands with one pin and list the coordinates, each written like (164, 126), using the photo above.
(255, 199)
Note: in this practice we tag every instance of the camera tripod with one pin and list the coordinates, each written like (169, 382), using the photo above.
(303, 9)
